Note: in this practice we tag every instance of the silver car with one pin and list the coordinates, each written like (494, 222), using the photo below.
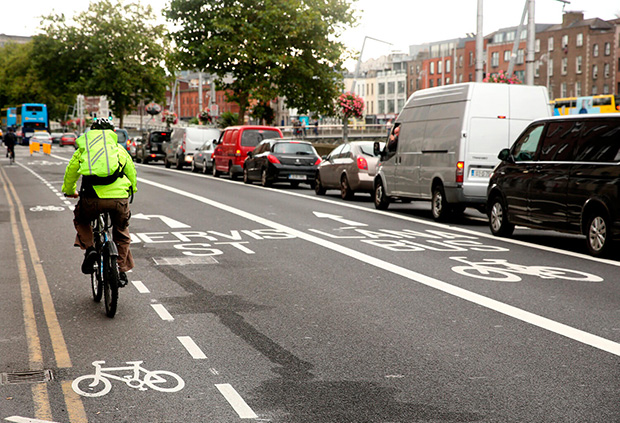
(350, 167)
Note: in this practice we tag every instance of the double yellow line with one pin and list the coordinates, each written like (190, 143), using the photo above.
(40, 395)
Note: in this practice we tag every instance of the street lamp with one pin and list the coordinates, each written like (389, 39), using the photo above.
(359, 60)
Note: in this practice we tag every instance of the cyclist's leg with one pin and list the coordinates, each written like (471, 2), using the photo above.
(86, 210)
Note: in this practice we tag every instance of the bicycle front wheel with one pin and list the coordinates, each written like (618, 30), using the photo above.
(164, 381)
(110, 283)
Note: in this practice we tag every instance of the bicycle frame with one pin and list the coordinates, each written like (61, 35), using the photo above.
(101, 233)
(129, 380)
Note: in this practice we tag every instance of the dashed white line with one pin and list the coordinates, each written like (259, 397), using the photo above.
(191, 347)
(142, 289)
(162, 312)
(234, 399)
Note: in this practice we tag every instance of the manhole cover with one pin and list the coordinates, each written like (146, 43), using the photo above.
(33, 376)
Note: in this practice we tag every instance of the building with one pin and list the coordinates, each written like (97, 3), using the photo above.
(17, 39)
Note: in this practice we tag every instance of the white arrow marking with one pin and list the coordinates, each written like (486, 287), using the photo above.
(175, 224)
(18, 419)
(338, 219)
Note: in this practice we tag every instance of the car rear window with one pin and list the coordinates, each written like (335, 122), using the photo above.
(122, 136)
(292, 148)
(251, 137)
(160, 137)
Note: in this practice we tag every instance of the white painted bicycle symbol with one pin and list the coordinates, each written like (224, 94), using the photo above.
(501, 270)
(46, 208)
(99, 384)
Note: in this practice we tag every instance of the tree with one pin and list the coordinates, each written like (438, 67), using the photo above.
(112, 49)
(269, 48)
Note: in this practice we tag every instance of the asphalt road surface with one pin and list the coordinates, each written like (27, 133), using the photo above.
(276, 305)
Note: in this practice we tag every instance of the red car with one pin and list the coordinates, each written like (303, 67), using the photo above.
(68, 139)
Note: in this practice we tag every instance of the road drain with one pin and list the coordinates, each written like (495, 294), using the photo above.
(182, 261)
(34, 376)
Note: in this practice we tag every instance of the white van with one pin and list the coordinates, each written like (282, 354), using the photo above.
(184, 142)
(444, 143)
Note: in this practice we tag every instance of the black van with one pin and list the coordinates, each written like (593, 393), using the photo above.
(562, 173)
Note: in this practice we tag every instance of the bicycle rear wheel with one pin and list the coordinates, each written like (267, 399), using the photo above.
(110, 283)
(96, 281)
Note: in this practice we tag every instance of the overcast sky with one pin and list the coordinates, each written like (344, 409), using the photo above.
(400, 22)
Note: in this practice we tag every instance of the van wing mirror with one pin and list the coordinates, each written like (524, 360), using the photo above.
(376, 148)
(504, 154)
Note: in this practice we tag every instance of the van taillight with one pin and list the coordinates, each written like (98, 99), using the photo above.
(362, 163)
(273, 159)
(238, 153)
(460, 171)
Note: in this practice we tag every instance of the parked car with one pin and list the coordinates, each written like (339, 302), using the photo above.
(561, 173)
(67, 138)
(203, 157)
(151, 148)
(281, 160)
(122, 135)
(132, 146)
(350, 167)
(445, 141)
(184, 142)
(56, 136)
(235, 143)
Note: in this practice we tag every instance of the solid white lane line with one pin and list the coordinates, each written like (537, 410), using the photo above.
(162, 312)
(515, 312)
(142, 289)
(234, 399)
(191, 347)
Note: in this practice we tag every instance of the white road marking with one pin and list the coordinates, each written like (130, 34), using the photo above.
(515, 312)
(337, 218)
(142, 289)
(174, 224)
(191, 347)
(18, 419)
(162, 312)
(234, 399)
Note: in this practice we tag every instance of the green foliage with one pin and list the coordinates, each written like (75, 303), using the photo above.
(112, 49)
(228, 119)
(264, 112)
(270, 48)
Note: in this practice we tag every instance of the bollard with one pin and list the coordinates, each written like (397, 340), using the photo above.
(47, 147)
(34, 146)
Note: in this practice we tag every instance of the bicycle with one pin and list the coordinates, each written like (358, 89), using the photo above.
(101, 384)
(105, 279)
(11, 153)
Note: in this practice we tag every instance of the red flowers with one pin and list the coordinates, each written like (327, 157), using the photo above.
(351, 105)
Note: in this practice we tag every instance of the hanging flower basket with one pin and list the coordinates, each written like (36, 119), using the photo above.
(170, 118)
(351, 105)
(501, 78)
(205, 118)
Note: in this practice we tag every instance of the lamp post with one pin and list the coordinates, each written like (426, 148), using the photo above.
(359, 60)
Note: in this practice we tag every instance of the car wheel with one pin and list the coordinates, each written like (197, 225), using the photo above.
(246, 178)
(214, 171)
(264, 179)
(231, 174)
(598, 234)
(382, 201)
(498, 218)
(439, 206)
(319, 189)
(194, 168)
(345, 189)
(179, 164)
(204, 168)
(166, 162)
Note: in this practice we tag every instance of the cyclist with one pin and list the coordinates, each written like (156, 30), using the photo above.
(9, 140)
(108, 180)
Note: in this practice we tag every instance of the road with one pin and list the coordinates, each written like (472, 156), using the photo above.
(276, 305)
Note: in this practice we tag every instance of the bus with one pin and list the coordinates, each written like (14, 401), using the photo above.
(30, 117)
(9, 115)
(606, 103)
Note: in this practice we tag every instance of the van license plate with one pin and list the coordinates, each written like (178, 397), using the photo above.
(297, 177)
(481, 173)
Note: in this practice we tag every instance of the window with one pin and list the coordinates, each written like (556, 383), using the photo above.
(550, 44)
(400, 103)
(381, 107)
(381, 88)
(448, 66)
(605, 89)
(439, 67)
(606, 70)
(498, 38)
(495, 59)
(432, 68)
(537, 46)
(594, 90)
(431, 83)
(510, 36)
(564, 66)
(550, 68)
(506, 55)
(460, 61)
(537, 69)
(461, 78)
(595, 50)
(594, 71)
(598, 142)
(564, 41)
(520, 56)
(438, 82)
(578, 89)
(526, 146)
(607, 49)
(447, 80)
(471, 58)
(524, 34)
(579, 40)
(401, 87)
(563, 89)
(391, 88)
(560, 140)
(578, 64)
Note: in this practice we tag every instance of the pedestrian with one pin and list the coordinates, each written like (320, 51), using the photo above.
(303, 127)
(316, 127)
(108, 180)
